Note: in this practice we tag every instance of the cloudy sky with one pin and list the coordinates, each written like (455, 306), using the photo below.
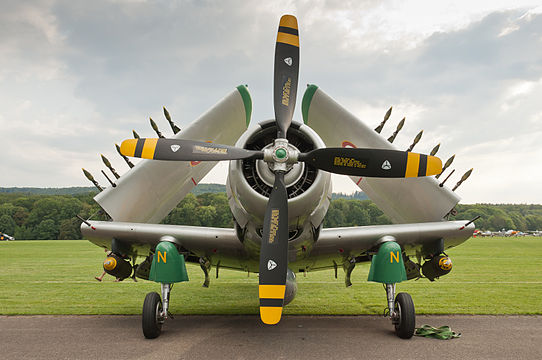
(78, 76)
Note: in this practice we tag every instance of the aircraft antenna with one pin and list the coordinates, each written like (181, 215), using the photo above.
(447, 177)
(108, 179)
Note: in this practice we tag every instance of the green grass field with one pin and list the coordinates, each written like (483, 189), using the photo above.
(490, 276)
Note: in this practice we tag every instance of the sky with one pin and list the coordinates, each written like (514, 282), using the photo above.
(77, 76)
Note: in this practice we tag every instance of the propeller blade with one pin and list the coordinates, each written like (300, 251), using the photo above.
(286, 73)
(274, 253)
(184, 150)
(373, 162)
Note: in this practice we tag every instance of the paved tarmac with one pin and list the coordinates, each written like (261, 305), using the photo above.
(244, 337)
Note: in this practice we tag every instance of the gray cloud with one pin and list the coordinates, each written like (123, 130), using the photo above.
(76, 77)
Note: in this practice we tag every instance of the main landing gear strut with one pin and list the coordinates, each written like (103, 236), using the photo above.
(155, 312)
(387, 267)
(168, 267)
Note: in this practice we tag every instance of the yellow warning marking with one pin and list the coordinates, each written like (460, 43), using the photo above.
(348, 162)
(413, 164)
(286, 92)
(288, 21)
(161, 256)
(270, 315)
(434, 165)
(127, 148)
(274, 226)
(394, 256)
(288, 39)
(148, 148)
(110, 263)
(272, 291)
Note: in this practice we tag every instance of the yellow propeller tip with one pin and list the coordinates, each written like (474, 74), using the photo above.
(270, 315)
(127, 147)
(288, 21)
(434, 165)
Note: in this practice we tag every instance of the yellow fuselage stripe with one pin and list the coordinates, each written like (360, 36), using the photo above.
(413, 165)
(148, 148)
(288, 39)
(272, 291)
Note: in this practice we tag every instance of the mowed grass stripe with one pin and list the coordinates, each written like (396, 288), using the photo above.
(490, 276)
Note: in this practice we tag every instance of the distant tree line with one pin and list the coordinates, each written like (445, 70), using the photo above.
(31, 216)
(502, 216)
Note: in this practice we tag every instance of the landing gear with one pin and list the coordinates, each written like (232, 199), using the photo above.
(405, 322)
(402, 312)
(155, 312)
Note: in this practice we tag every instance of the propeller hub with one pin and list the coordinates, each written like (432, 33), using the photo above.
(280, 156)
(281, 153)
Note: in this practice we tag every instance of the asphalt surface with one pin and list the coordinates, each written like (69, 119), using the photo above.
(244, 337)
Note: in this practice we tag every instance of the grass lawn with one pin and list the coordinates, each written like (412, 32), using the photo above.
(490, 276)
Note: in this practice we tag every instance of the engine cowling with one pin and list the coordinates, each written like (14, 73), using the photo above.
(250, 181)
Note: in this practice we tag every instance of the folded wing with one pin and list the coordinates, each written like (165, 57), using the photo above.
(403, 200)
(151, 189)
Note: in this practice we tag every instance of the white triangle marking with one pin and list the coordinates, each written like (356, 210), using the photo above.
(175, 147)
(288, 61)
(386, 165)
(271, 265)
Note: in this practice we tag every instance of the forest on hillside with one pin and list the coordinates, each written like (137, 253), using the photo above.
(31, 215)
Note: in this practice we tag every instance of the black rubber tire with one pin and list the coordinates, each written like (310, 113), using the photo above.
(404, 306)
(152, 306)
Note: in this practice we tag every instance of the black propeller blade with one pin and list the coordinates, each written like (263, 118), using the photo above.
(373, 162)
(274, 247)
(184, 150)
(274, 253)
(286, 73)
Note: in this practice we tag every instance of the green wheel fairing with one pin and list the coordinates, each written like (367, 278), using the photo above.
(247, 101)
(306, 103)
(168, 265)
(387, 265)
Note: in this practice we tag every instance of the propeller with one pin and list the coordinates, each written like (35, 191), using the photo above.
(349, 161)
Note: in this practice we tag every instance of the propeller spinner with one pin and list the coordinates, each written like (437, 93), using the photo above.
(349, 161)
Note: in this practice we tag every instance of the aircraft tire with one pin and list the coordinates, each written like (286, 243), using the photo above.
(404, 306)
(151, 322)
